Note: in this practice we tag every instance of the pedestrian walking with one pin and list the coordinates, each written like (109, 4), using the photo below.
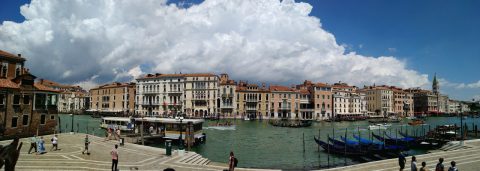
(87, 142)
(54, 143)
(424, 167)
(33, 144)
(452, 168)
(413, 165)
(41, 146)
(440, 166)
(109, 134)
(232, 162)
(114, 154)
(401, 161)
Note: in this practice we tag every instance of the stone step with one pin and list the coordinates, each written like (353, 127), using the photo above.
(192, 158)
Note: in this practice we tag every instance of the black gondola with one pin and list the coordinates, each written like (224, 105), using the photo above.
(336, 149)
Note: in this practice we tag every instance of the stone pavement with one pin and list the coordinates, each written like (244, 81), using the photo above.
(467, 158)
(131, 156)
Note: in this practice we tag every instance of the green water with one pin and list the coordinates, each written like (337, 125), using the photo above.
(257, 144)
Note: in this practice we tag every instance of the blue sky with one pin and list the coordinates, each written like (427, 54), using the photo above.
(431, 36)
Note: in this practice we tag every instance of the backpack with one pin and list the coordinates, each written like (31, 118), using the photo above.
(51, 139)
(235, 162)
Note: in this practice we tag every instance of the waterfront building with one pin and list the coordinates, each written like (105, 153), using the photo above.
(226, 98)
(453, 106)
(72, 99)
(443, 101)
(116, 99)
(425, 101)
(160, 94)
(26, 107)
(323, 101)
(379, 100)
(464, 107)
(317, 104)
(253, 101)
(402, 102)
(285, 102)
(200, 94)
(348, 101)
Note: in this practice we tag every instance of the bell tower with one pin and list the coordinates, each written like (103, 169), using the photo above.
(435, 86)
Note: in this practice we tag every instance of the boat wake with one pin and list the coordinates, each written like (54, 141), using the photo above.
(222, 128)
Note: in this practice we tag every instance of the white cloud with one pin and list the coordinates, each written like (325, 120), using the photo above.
(89, 83)
(264, 40)
(391, 49)
(470, 85)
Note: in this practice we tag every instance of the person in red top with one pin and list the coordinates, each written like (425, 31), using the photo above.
(114, 154)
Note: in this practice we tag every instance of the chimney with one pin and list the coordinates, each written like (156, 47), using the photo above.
(19, 55)
(263, 85)
(41, 81)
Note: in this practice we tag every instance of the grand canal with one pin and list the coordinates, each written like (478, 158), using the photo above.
(260, 145)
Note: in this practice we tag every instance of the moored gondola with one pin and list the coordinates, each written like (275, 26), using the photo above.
(336, 149)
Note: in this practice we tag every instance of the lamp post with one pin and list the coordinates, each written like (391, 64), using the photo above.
(180, 139)
(71, 131)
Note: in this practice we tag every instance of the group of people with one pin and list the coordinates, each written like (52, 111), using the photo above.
(38, 144)
(115, 132)
(414, 167)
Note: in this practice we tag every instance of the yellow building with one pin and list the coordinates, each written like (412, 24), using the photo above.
(200, 95)
(253, 101)
(114, 99)
(227, 100)
(379, 100)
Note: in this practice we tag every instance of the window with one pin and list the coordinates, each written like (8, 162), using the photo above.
(4, 69)
(42, 119)
(25, 120)
(14, 121)
(18, 70)
(26, 99)
(16, 99)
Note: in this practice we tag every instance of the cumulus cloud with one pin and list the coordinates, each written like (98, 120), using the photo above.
(91, 42)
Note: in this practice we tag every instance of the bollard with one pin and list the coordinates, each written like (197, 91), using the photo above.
(476, 130)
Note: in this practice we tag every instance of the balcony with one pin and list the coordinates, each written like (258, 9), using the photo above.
(252, 100)
(251, 108)
(306, 110)
(175, 92)
(151, 92)
(285, 108)
(227, 106)
(227, 96)
(199, 98)
(304, 101)
(152, 103)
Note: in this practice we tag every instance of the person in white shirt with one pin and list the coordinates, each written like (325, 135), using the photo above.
(413, 166)
(54, 143)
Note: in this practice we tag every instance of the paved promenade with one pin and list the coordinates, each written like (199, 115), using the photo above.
(467, 158)
(131, 156)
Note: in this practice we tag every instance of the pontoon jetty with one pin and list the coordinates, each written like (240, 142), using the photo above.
(156, 130)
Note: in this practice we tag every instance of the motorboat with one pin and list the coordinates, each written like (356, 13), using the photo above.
(379, 126)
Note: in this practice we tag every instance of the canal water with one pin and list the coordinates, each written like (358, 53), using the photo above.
(257, 144)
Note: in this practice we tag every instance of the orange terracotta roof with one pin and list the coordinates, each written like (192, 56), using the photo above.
(41, 87)
(114, 85)
(55, 84)
(7, 83)
(322, 85)
(11, 56)
(280, 88)
(303, 91)
(228, 82)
